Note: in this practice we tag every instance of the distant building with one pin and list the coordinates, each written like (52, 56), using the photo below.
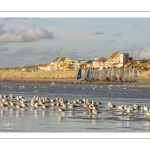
(62, 63)
(23, 69)
(45, 67)
(59, 63)
(124, 58)
(89, 63)
(54, 64)
(117, 59)
(99, 62)
(136, 62)
(74, 64)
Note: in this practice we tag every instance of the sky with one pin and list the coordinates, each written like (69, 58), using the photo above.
(32, 41)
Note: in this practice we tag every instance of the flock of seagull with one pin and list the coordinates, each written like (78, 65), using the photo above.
(93, 107)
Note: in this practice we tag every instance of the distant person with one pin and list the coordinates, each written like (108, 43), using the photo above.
(120, 78)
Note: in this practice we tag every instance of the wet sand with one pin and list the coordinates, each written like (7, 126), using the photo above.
(59, 77)
(140, 81)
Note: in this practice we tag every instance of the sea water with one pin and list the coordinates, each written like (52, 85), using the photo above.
(80, 120)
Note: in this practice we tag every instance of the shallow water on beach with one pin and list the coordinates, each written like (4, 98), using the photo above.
(80, 120)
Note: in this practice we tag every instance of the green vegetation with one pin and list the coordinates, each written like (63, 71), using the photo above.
(30, 68)
(26, 68)
(143, 66)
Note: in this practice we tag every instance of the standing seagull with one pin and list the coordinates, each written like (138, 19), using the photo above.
(12, 97)
(110, 105)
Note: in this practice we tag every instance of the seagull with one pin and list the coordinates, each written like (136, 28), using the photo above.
(12, 104)
(121, 107)
(110, 86)
(44, 106)
(12, 97)
(61, 109)
(148, 113)
(18, 106)
(111, 105)
(93, 87)
(3, 104)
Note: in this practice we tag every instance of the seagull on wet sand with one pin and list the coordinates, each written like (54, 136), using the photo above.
(111, 105)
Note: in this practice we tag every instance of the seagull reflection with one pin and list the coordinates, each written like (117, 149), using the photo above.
(40, 109)
(86, 112)
(11, 111)
(120, 112)
(36, 112)
(59, 119)
(62, 113)
(70, 113)
(43, 113)
(2, 112)
(17, 113)
(128, 117)
(22, 111)
(147, 123)
(6, 109)
(32, 109)
(93, 118)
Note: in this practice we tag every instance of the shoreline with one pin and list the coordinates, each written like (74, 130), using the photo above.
(140, 81)
(61, 77)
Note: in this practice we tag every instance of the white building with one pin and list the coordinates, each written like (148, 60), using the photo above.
(74, 64)
(46, 67)
(117, 59)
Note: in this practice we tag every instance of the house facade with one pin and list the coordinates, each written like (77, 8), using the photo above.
(46, 67)
(74, 64)
(117, 59)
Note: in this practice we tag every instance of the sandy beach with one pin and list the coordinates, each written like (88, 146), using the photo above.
(58, 77)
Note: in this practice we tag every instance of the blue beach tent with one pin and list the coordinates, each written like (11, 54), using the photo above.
(79, 74)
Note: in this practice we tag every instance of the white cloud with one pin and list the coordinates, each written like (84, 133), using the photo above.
(32, 33)
(30, 56)
(145, 54)
(137, 52)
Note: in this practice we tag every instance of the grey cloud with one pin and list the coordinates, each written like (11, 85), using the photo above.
(130, 48)
(136, 24)
(98, 32)
(2, 25)
(24, 51)
(136, 51)
(112, 49)
(30, 56)
(72, 52)
(40, 51)
(4, 49)
(1, 28)
(58, 52)
(118, 33)
(32, 33)
(15, 18)
(3, 43)
(111, 41)
(91, 51)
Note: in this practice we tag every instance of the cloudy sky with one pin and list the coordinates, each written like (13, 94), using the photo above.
(31, 41)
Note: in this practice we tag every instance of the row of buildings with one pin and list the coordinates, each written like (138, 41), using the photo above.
(117, 59)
